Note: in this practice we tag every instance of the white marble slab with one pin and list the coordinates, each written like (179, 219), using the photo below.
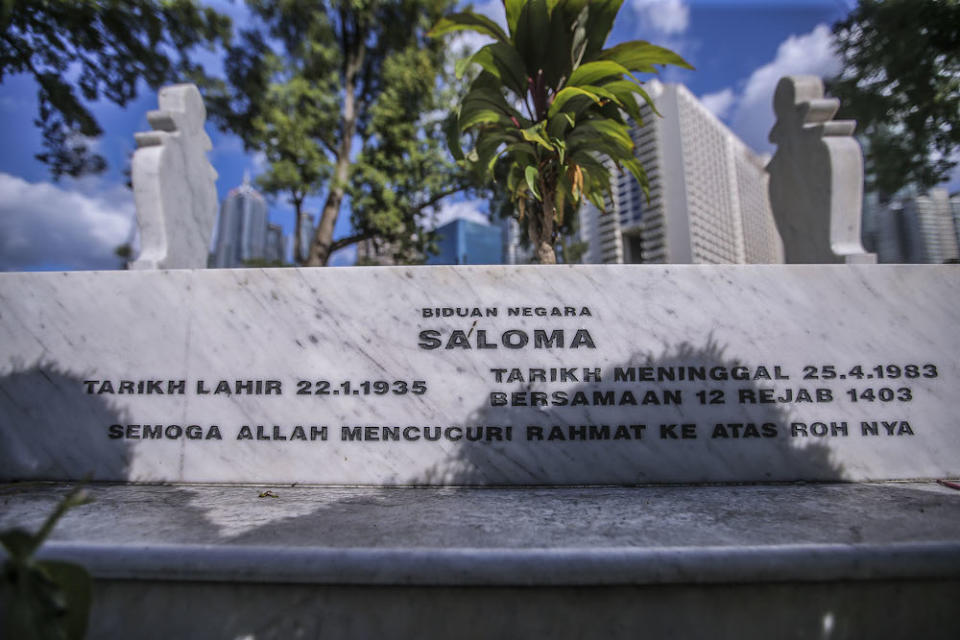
(62, 335)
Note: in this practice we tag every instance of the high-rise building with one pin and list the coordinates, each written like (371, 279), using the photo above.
(708, 194)
(306, 233)
(274, 249)
(466, 242)
(242, 228)
(513, 249)
(914, 228)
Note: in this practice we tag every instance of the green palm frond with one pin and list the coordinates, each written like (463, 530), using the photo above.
(551, 103)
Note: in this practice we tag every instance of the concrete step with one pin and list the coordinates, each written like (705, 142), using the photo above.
(797, 560)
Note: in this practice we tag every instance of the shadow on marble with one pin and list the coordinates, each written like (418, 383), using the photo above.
(59, 437)
(592, 518)
(733, 443)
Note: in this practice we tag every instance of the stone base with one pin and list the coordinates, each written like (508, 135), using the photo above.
(817, 560)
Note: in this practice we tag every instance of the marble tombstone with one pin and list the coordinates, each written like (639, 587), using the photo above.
(482, 375)
(174, 184)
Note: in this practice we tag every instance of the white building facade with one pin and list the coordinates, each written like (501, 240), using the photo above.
(708, 204)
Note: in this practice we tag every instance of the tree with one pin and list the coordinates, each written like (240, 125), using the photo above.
(108, 46)
(901, 83)
(574, 96)
(343, 99)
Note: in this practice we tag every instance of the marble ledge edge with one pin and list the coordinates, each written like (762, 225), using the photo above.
(614, 566)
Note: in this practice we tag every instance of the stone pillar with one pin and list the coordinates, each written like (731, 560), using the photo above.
(174, 185)
(816, 176)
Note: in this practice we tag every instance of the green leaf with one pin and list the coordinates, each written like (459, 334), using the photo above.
(556, 47)
(596, 198)
(451, 129)
(532, 31)
(487, 149)
(599, 23)
(481, 115)
(513, 9)
(602, 131)
(646, 98)
(535, 134)
(578, 43)
(634, 167)
(501, 61)
(625, 92)
(522, 149)
(468, 21)
(591, 72)
(484, 104)
(76, 588)
(532, 175)
(565, 95)
(638, 55)
(558, 125)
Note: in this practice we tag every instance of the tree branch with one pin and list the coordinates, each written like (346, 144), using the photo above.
(336, 245)
(438, 197)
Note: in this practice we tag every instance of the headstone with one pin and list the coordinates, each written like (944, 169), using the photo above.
(816, 176)
(483, 375)
(174, 185)
(216, 386)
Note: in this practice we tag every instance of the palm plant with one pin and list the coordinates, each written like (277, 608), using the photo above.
(552, 105)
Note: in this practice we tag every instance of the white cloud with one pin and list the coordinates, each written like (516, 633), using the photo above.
(668, 17)
(43, 225)
(719, 103)
(808, 54)
(466, 209)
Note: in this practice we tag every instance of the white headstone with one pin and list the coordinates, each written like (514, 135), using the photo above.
(174, 185)
(482, 375)
(816, 176)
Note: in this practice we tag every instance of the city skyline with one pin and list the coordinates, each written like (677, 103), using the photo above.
(739, 48)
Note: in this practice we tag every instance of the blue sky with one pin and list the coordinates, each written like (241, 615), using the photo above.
(740, 50)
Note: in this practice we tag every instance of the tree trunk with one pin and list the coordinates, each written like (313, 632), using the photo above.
(298, 257)
(541, 227)
(323, 237)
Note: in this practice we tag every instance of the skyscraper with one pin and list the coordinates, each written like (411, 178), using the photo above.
(242, 228)
(306, 233)
(275, 248)
(708, 194)
(914, 228)
(465, 242)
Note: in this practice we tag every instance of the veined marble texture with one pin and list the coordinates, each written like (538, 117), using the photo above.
(799, 373)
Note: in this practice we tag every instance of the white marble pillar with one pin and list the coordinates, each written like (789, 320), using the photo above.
(816, 176)
(174, 185)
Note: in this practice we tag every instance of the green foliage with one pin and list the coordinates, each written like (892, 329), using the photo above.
(901, 82)
(552, 107)
(108, 46)
(344, 99)
(43, 600)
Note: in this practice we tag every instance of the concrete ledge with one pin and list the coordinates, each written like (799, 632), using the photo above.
(533, 536)
(516, 568)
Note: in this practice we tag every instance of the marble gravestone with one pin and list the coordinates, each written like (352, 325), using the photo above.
(174, 185)
(816, 176)
(482, 375)
(177, 390)
(243, 391)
